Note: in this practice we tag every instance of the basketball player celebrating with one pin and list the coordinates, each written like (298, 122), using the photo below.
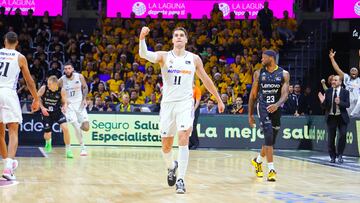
(176, 115)
(11, 63)
(76, 91)
(270, 88)
(352, 84)
(52, 97)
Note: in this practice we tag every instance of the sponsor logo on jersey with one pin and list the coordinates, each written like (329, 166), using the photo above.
(180, 71)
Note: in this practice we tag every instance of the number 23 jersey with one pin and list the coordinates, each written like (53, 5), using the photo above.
(178, 77)
(270, 85)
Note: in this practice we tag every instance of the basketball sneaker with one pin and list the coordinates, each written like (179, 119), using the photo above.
(48, 147)
(69, 154)
(15, 164)
(83, 152)
(171, 178)
(8, 174)
(271, 176)
(180, 186)
(258, 168)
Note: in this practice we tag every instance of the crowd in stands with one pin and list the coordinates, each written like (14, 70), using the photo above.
(119, 80)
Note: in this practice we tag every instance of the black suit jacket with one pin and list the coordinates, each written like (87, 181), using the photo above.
(344, 103)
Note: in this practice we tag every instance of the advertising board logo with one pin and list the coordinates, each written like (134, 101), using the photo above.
(225, 8)
(139, 8)
(357, 8)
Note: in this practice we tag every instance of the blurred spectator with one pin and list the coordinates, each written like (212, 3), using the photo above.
(265, 17)
(238, 107)
(58, 24)
(99, 104)
(287, 27)
(90, 104)
(125, 106)
(210, 108)
(300, 103)
(327, 83)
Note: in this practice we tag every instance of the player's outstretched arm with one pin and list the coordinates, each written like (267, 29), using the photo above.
(253, 96)
(201, 73)
(334, 64)
(29, 82)
(153, 57)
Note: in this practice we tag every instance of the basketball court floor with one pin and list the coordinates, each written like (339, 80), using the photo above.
(137, 174)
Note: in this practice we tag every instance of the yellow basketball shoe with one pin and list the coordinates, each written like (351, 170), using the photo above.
(258, 168)
(271, 176)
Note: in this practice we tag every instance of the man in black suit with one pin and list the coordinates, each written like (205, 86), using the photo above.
(335, 101)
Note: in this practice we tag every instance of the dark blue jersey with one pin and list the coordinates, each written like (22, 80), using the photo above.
(52, 100)
(270, 85)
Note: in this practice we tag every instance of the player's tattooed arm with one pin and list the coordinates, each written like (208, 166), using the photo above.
(23, 64)
(63, 100)
(254, 93)
(84, 87)
(60, 83)
(284, 89)
(252, 99)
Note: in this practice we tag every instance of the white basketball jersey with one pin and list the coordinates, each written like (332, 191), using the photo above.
(73, 88)
(9, 68)
(178, 77)
(353, 86)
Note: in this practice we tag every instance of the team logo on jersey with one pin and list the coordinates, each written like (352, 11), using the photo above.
(171, 61)
(263, 78)
(187, 62)
(278, 78)
(77, 82)
(170, 66)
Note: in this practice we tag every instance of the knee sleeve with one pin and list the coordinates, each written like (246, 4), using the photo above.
(275, 133)
(47, 128)
(268, 134)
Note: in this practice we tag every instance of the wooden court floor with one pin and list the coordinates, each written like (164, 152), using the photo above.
(125, 174)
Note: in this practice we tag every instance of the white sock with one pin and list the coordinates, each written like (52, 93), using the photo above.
(168, 158)
(9, 163)
(67, 147)
(183, 159)
(259, 159)
(271, 166)
(78, 132)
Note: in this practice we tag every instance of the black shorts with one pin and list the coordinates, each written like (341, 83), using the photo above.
(269, 124)
(54, 117)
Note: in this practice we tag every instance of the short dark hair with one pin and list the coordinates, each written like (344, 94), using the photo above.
(181, 29)
(11, 37)
(68, 64)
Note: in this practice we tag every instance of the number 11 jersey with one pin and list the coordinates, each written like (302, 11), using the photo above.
(178, 77)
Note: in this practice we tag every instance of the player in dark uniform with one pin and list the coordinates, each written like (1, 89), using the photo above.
(53, 105)
(270, 88)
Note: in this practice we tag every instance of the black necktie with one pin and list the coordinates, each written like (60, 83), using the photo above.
(334, 104)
